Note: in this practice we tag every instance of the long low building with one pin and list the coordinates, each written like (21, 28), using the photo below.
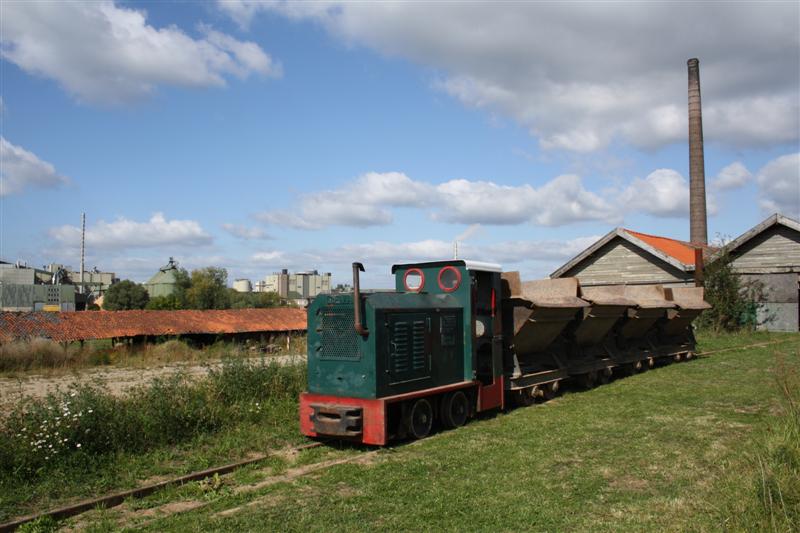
(89, 325)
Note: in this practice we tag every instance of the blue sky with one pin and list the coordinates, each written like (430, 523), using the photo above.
(265, 135)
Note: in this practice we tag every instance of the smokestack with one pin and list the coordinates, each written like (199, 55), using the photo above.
(698, 232)
(83, 246)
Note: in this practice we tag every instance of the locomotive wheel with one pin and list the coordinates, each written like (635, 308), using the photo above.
(455, 409)
(419, 419)
(525, 397)
(550, 390)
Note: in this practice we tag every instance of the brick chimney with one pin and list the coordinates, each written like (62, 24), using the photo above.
(697, 175)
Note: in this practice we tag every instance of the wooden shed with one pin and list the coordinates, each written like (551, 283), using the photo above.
(624, 256)
(770, 254)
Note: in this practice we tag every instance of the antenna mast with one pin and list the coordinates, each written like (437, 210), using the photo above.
(83, 247)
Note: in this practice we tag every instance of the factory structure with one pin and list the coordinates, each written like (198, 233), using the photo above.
(53, 287)
(767, 254)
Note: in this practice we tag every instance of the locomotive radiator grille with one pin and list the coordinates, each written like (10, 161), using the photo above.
(338, 338)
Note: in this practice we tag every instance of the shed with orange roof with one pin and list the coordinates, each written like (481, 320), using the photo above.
(624, 256)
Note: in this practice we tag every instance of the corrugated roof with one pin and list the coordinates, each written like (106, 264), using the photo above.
(680, 250)
(84, 325)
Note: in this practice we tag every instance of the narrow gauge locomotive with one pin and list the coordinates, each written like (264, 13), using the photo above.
(459, 337)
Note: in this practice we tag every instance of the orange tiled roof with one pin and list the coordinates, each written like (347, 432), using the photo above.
(81, 325)
(680, 250)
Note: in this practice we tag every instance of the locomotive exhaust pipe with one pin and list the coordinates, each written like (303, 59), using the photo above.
(360, 329)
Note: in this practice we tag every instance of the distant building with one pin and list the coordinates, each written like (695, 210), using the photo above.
(624, 256)
(24, 288)
(297, 286)
(164, 282)
(95, 282)
(769, 253)
(242, 285)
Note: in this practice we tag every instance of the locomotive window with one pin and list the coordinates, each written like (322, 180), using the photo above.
(414, 280)
(449, 278)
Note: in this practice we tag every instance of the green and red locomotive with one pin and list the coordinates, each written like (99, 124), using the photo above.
(460, 337)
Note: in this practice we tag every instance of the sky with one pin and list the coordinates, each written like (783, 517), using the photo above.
(257, 136)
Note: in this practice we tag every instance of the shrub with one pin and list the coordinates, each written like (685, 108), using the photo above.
(734, 301)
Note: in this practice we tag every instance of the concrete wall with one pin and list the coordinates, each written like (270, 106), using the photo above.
(621, 262)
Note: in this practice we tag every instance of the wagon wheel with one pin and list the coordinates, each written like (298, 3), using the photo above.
(455, 409)
(587, 380)
(651, 362)
(525, 397)
(604, 376)
(419, 419)
(678, 357)
(550, 390)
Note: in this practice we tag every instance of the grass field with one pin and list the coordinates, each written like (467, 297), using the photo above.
(708, 445)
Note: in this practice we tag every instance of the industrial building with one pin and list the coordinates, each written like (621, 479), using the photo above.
(769, 254)
(297, 286)
(163, 282)
(623, 256)
(24, 288)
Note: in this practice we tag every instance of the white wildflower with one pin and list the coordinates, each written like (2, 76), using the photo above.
(78, 445)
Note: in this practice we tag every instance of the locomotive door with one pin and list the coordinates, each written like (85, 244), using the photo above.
(409, 353)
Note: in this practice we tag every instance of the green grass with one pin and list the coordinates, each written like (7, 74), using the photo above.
(707, 445)
(686, 447)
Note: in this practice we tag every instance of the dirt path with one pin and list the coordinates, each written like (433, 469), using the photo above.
(117, 379)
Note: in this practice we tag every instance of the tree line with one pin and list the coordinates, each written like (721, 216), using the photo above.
(204, 288)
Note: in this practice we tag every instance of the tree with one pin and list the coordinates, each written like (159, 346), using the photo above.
(208, 289)
(125, 295)
(244, 300)
(733, 300)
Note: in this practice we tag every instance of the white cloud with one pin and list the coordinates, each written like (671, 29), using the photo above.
(20, 169)
(359, 203)
(101, 52)
(733, 176)
(560, 201)
(779, 183)
(663, 193)
(246, 233)
(366, 202)
(574, 78)
(124, 234)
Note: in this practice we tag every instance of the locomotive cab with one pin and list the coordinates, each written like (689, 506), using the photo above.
(388, 363)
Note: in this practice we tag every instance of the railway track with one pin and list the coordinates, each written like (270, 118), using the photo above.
(117, 498)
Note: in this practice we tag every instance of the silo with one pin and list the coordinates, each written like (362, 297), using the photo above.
(242, 285)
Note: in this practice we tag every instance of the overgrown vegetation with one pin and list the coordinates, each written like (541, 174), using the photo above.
(776, 485)
(43, 354)
(734, 301)
(85, 428)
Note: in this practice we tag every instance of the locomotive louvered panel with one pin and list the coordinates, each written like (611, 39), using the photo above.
(419, 358)
(449, 324)
(409, 356)
(339, 340)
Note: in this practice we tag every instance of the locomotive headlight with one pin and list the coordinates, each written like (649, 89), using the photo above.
(480, 328)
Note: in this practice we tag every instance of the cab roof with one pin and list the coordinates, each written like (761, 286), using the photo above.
(469, 265)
